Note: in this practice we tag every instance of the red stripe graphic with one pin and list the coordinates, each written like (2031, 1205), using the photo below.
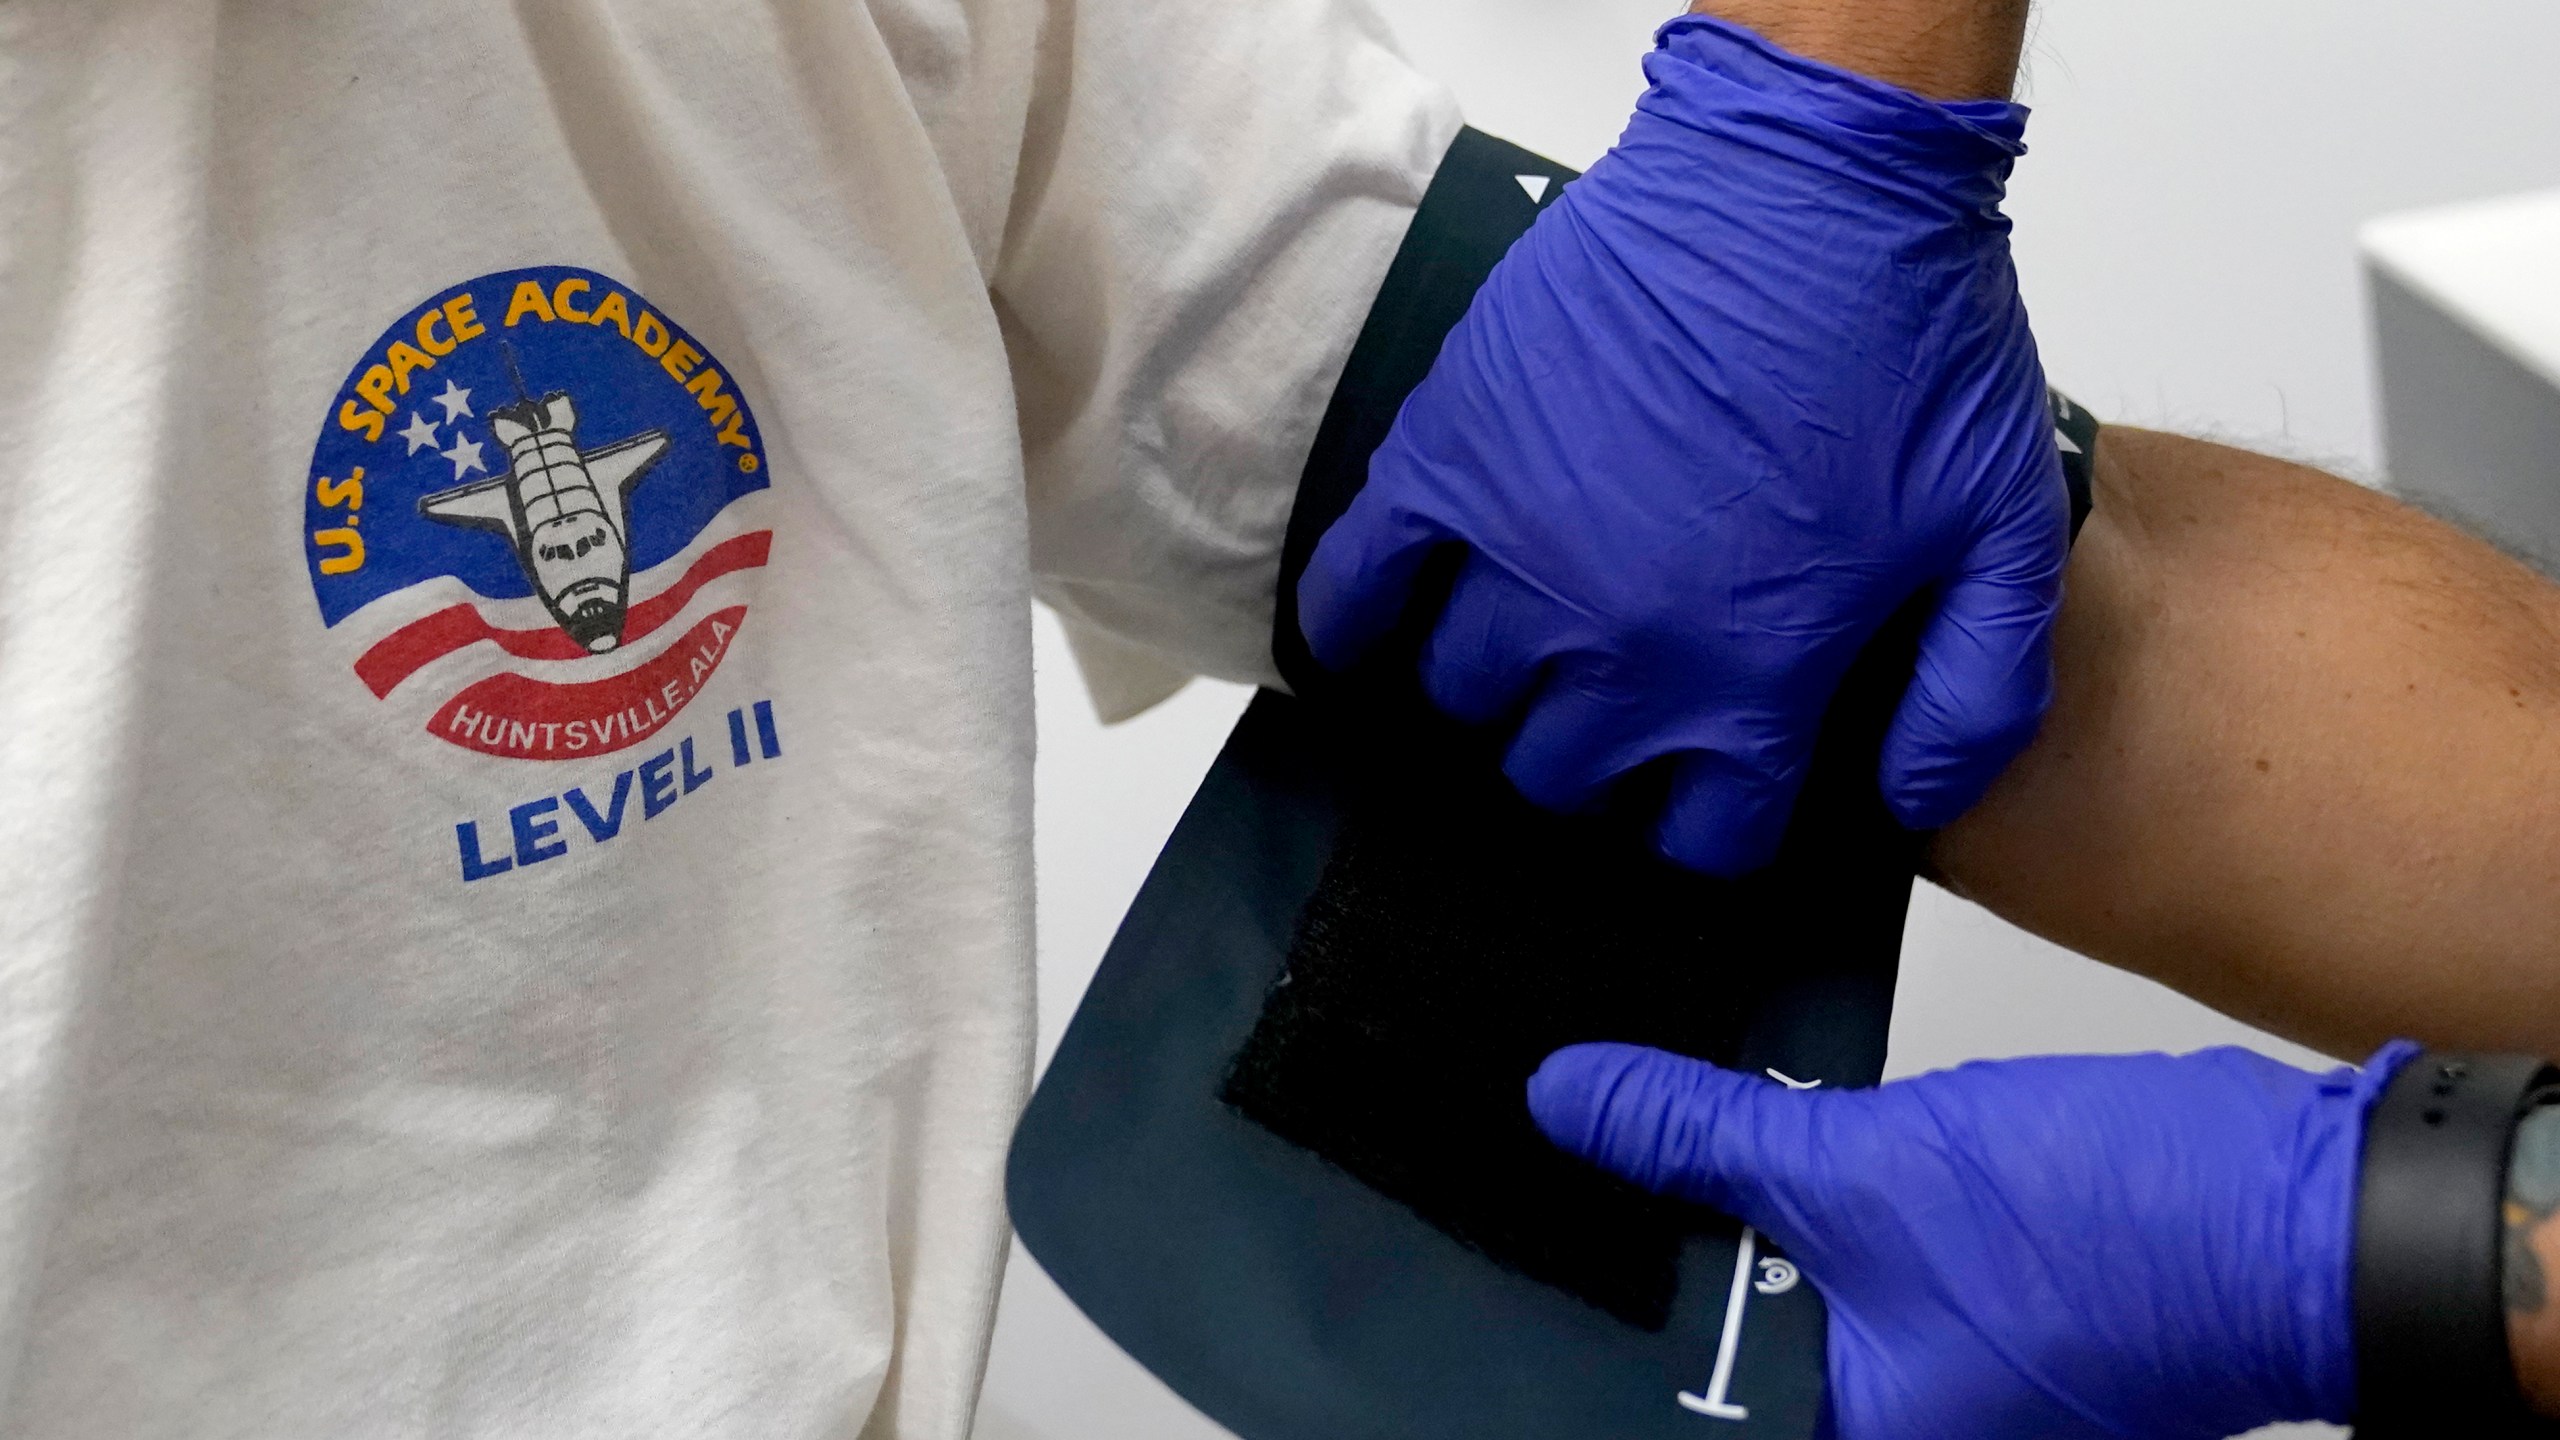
(422, 642)
(527, 719)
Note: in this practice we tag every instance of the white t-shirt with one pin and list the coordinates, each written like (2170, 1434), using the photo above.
(517, 524)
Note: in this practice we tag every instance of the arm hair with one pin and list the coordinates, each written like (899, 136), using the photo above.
(2303, 764)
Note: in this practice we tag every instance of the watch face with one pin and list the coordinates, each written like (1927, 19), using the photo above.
(2440, 1144)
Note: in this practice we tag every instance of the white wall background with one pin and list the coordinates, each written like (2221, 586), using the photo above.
(2185, 233)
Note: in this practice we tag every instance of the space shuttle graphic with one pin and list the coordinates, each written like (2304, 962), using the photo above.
(565, 510)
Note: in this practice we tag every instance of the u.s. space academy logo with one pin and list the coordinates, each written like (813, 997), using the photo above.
(535, 515)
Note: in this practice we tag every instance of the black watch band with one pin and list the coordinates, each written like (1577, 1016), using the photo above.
(2431, 1329)
(2075, 434)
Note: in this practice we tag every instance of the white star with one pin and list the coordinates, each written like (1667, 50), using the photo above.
(420, 434)
(465, 456)
(456, 402)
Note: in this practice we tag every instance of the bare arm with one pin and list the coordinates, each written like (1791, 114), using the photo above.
(2304, 763)
(1944, 49)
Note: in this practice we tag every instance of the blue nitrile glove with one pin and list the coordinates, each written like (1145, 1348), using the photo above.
(2126, 1246)
(1752, 382)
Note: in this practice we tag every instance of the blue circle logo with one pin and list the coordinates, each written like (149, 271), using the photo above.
(534, 515)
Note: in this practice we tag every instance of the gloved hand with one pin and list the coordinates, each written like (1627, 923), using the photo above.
(2122, 1246)
(1752, 382)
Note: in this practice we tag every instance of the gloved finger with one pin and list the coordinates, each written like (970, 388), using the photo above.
(1684, 1128)
(1726, 813)
(1360, 578)
(1487, 649)
(1581, 733)
(1984, 681)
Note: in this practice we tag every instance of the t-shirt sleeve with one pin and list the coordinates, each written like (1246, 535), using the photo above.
(1209, 198)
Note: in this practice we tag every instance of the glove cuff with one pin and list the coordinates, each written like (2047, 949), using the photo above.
(2431, 1331)
(1723, 79)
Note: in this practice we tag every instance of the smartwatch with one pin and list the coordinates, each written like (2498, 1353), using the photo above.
(2431, 1327)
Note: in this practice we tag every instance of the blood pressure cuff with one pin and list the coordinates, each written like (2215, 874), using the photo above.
(1283, 1156)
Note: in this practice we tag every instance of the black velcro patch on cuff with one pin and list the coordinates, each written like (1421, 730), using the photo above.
(1457, 938)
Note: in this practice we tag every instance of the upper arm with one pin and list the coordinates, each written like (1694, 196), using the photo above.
(1213, 196)
(2304, 760)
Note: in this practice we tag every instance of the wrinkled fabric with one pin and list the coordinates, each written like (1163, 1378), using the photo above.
(1756, 379)
(380, 1067)
(2142, 1245)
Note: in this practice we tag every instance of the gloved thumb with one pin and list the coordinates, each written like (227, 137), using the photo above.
(1984, 680)
(1684, 1128)
(1361, 576)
